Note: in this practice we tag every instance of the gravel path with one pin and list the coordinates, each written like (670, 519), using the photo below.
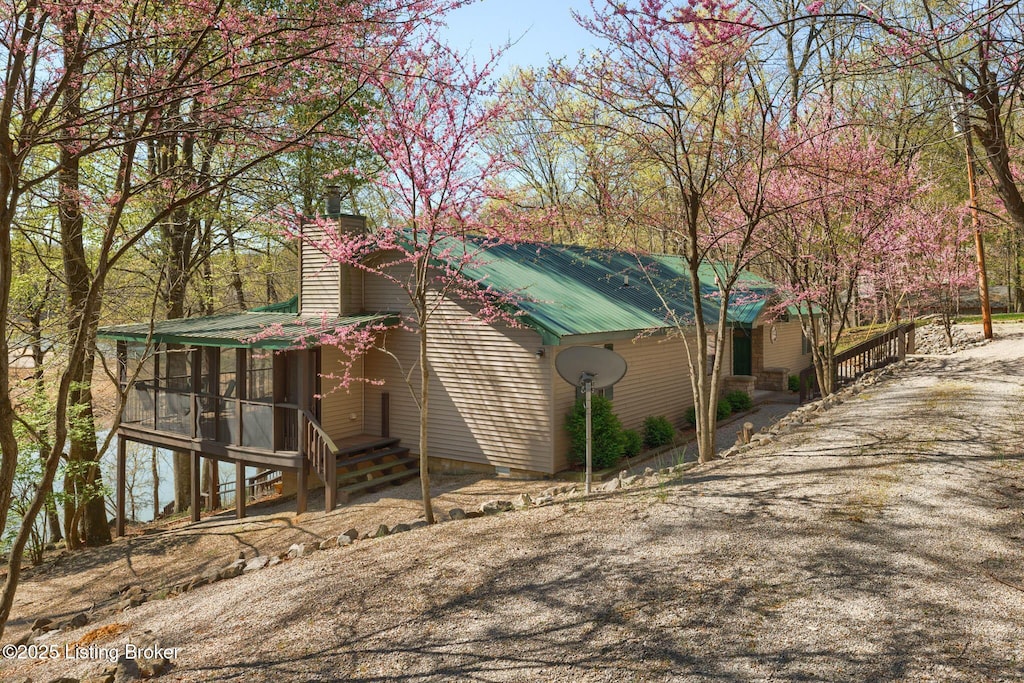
(883, 539)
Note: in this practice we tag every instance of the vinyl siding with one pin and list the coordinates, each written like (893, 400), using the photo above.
(657, 382)
(341, 409)
(786, 351)
(319, 280)
(489, 391)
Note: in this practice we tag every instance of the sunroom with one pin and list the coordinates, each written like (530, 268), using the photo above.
(240, 388)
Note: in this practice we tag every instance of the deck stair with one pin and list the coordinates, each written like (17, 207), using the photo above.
(357, 465)
(370, 465)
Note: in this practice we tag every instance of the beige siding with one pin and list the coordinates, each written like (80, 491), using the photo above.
(319, 281)
(489, 393)
(657, 382)
(341, 409)
(786, 351)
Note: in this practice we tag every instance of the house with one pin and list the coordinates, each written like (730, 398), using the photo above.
(256, 389)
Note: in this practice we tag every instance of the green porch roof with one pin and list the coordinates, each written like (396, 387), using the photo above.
(240, 330)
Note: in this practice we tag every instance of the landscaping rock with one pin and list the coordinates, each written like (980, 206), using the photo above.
(382, 531)
(419, 524)
(42, 624)
(296, 550)
(523, 500)
(612, 485)
(493, 507)
(629, 481)
(234, 569)
(344, 539)
(328, 543)
(256, 563)
(352, 534)
(151, 661)
(273, 561)
(126, 670)
(400, 528)
(456, 513)
(107, 676)
(198, 582)
(544, 500)
(212, 575)
(77, 621)
(473, 514)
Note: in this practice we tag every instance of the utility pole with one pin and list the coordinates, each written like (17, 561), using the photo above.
(979, 244)
(961, 121)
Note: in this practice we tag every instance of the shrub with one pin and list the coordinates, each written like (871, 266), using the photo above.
(658, 431)
(739, 400)
(794, 383)
(691, 416)
(724, 409)
(606, 432)
(632, 442)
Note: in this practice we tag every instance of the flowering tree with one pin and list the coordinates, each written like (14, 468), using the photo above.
(845, 209)
(695, 117)
(933, 262)
(434, 182)
(977, 51)
(83, 88)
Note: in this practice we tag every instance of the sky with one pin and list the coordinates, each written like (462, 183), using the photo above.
(539, 28)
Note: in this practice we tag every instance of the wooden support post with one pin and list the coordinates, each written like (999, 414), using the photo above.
(331, 485)
(122, 456)
(211, 487)
(194, 504)
(748, 432)
(302, 492)
(239, 489)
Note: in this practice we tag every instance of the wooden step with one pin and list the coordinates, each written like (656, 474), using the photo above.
(359, 472)
(346, 492)
(360, 448)
(375, 455)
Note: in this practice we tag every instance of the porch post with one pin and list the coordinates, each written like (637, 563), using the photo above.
(122, 453)
(211, 487)
(240, 489)
(303, 401)
(302, 492)
(195, 485)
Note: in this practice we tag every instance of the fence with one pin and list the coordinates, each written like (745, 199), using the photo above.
(879, 351)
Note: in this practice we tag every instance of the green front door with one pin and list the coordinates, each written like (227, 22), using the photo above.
(741, 356)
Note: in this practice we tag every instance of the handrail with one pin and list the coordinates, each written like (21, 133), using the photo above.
(322, 454)
(871, 354)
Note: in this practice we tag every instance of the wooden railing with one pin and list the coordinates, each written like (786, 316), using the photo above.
(876, 352)
(255, 486)
(322, 455)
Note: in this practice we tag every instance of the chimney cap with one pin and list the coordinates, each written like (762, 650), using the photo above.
(332, 201)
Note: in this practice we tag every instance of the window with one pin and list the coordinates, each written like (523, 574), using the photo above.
(260, 379)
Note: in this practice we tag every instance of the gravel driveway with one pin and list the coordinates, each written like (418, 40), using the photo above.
(883, 539)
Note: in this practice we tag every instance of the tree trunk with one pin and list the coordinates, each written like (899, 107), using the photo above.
(428, 508)
(83, 481)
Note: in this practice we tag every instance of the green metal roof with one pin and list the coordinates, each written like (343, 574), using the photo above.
(289, 306)
(588, 294)
(240, 330)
